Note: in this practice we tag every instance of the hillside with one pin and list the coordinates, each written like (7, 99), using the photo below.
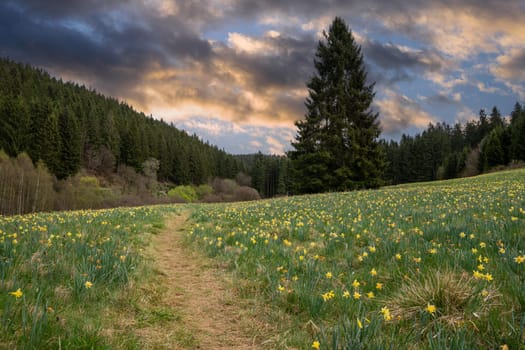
(69, 127)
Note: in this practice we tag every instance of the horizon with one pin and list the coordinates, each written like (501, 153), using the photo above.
(235, 74)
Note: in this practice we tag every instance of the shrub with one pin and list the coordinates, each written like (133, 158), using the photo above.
(224, 186)
(246, 193)
(186, 193)
(203, 191)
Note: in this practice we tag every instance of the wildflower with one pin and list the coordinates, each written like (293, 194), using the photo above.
(316, 345)
(478, 275)
(504, 347)
(519, 259)
(386, 313)
(328, 275)
(474, 251)
(328, 295)
(481, 267)
(359, 324)
(488, 277)
(372, 249)
(462, 235)
(502, 250)
(122, 258)
(370, 295)
(346, 294)
(373, 272)
(484, 293)
(280, 288)
(431, 308)
(432, 251)
(379, 285)
(482, 245)
(357, 295)
(17, 293)
(88, 284)
(398, 256)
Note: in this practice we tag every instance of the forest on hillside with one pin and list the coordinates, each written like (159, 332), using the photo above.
(63, 146)
(68, 126)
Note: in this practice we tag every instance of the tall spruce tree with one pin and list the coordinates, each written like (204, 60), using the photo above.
(336, 147)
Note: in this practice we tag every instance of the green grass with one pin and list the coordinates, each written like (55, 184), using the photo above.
(366, 269)
(75, 274)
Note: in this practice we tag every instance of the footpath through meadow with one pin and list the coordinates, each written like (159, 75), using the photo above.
(200, 292)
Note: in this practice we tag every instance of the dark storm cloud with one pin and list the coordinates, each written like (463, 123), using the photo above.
(119, 45)
(288, 65)
(392, 57)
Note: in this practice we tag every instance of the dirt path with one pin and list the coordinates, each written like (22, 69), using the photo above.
(200, 293)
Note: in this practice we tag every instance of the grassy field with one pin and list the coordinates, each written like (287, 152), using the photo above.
(420, 266)
(66, 279)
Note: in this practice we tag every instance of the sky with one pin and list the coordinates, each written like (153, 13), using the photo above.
(234, 72)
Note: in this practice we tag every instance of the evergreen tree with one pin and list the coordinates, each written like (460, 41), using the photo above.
(336, 147)
(70, 146)
(491, 150)
(496, 121)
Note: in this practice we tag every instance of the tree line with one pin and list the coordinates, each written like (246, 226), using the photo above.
(442, 151)
(69, 127)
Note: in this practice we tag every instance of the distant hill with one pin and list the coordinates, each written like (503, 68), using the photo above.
(69, 127)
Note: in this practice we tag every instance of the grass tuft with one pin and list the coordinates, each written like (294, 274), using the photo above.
(458, 299)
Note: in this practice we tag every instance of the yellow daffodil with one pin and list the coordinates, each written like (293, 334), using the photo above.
(386, 313)
(17, 293)
(519, 259)
(359, 324)
(431, 308)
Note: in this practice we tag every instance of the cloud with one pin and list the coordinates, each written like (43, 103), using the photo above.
(393, 57)
(443, 98)
(250, 138)
(509, 68)
(490, 90)
(159, 55)
(398, 112)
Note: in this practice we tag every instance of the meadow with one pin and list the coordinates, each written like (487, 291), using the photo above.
(421, 266)
(66, 278)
